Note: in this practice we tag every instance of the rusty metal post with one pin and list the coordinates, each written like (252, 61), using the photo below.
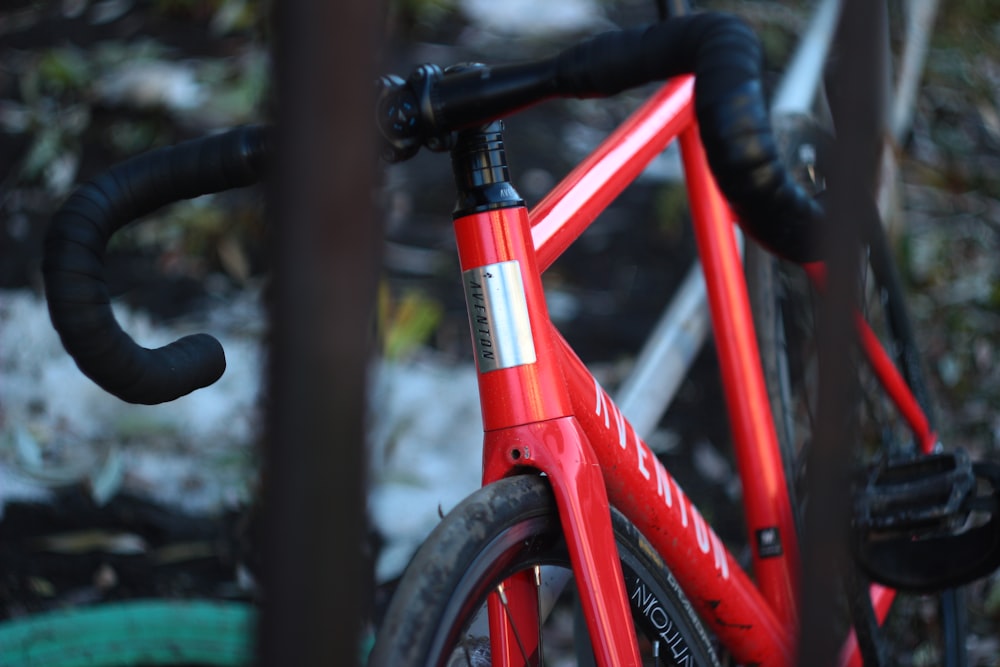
(855, 98)
(326, 241)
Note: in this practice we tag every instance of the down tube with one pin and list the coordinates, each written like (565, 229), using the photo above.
(640, 486)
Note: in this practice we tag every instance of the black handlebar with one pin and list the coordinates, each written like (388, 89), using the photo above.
(77, 295)
(719, 49)
(424, 110)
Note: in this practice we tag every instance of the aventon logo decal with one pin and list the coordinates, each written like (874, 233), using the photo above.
(498, 315)
(656, 620)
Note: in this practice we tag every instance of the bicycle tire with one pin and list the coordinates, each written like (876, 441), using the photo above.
(141, 632)
(783, 305)
(504, 528)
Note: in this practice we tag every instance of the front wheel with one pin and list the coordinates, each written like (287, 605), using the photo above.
(438, 614)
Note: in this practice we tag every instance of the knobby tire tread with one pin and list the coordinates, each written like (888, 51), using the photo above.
(434, 594)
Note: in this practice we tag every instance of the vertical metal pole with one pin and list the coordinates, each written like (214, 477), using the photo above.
(855, 99)
(325, 251)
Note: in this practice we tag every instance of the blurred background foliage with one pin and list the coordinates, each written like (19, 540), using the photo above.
(86, 83)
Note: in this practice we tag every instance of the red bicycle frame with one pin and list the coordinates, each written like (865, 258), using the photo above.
(543, 410)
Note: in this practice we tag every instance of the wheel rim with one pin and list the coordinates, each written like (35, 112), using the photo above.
(532, 545)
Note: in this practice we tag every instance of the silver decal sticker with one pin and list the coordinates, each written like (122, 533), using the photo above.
(498, 314)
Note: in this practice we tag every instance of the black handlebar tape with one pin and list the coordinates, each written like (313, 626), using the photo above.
(725, 56)
(78, 299)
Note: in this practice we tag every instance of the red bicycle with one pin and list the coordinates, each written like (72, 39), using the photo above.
(573, 501)
(558, 452)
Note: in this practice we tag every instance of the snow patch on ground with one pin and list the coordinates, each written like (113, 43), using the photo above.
(530, 18)
(57, 428)
(426, 452)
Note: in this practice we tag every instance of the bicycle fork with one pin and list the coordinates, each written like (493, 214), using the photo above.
(527, 409)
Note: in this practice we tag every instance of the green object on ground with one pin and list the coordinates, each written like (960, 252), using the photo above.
(147, 632)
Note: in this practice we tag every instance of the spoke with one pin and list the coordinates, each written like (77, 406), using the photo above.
(656, 653)
(513, 627)
(538, 598)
